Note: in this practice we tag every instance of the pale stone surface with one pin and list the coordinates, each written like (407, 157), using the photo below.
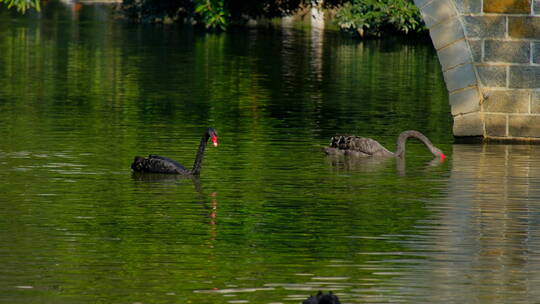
(507, 101)
(535, 102)
(455, 54)
(469, 6)
(421, 3)
(459, 77)
(446, 33)
(536, 52)
(524, 125)
(489, 51)
(524, 77)
(468, 125)
(476, 49)
(507, 51)
(465, 101)
(436, 12)
(496, 124)
(492, 75)
(485, 26)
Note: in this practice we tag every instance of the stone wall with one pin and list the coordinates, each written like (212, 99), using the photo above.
(490, 56)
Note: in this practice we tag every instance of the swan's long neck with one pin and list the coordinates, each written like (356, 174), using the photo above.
(200, 155)
(402, 140)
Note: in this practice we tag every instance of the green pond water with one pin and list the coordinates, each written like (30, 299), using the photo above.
(271, 219)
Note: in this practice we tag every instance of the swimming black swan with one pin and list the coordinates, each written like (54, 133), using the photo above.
(160, 164)
(321, 298)
(362, 146)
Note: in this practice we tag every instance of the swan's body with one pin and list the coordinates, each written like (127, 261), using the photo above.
(321, 298)
(161, 164)
(363, 146)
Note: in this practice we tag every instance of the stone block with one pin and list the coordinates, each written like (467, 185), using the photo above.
(535, 102)
(507, 101)
(524, 27)
(483, 27)
(421, 3)
(536, 7)
(465, 101)
(524, 77)
(496, 124)
(524, 126)
(476, 50)
(507, 51)
(446, 33)
(459, 77)
(536, 52)
(436, 12)
(492, 75)
(457, 53)
(507, 6)
(469, 6)
(468, 125)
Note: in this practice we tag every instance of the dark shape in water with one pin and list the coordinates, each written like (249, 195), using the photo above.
(321, 298)
(161, 164)
(363, 146)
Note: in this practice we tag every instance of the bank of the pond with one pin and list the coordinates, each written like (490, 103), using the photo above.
(357, 18)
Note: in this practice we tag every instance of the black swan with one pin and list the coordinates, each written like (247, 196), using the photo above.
(160, 164)
(362, 146)
(321, 298)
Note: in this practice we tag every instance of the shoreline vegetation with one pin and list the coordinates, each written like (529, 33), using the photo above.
(359, 18)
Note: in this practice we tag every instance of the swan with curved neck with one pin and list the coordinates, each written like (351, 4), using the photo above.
(161, 164)
(363, 146)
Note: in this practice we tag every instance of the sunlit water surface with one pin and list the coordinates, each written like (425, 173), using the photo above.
(271, 219)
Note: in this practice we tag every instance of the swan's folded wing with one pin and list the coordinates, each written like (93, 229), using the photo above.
(366, 145)
(166, 164)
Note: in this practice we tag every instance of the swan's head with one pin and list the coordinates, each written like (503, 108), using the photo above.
(212, 133)
(439, 154)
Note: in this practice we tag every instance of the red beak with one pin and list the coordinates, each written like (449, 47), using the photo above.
(214, 140)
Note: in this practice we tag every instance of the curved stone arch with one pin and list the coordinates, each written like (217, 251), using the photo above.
(448, 34)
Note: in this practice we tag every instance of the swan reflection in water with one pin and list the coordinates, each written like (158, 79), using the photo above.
(176, 179)
(372, 164)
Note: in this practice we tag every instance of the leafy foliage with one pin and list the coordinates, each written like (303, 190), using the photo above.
(365, 17)
(214, 14)
(22, 5)
(374, 17)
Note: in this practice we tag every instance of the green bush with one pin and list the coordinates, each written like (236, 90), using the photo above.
(22, 5)
(375, 17)
(365, 17)
(213, 13)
